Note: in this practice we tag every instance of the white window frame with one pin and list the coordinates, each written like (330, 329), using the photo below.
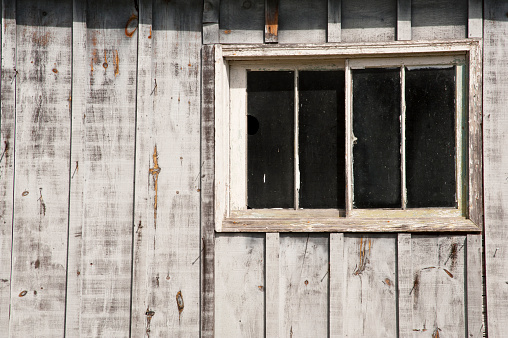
(231, 64)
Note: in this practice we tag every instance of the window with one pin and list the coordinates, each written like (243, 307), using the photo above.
(363, 140)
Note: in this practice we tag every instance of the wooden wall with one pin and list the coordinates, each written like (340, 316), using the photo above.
(106, 182)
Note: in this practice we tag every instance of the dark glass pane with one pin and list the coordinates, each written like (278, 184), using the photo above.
(270, 140)
(321, 139)
(430, 137)
(376, 125)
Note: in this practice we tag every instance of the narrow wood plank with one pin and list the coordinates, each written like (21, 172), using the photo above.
(495, 151)
(239, 285)
(43, 92)
(404, 285)
(7, 146)
(438, 19)
(210, 33)
(208, 192)
(475, 19)
(271, 21)
(369, 20)
(80, 90)
(107, 169)
(211, 21)
(168, 171)
(336, 277)
(304, 284)
(334, 21)
(272, 285)
(370, 290)
(403, 19)
(438, 287)
(242, 21)
(474, 286)
(302, 21)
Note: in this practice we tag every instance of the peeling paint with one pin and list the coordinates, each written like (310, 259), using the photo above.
(149, 314)
(179, 303)
(155, 173)
(364, 254)
(116, 62)
(129, 31)
(23, 293)
(42, 205)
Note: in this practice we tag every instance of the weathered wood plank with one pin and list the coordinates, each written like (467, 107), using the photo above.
(271, 21)
(304, 285)
(404, 285)
(80, 90)
(495, 124)
(302, 21)
(210, 33)
(370, 20)
(474, 286)
(475, 19)
(403, 19)
(334, 21)
(107, 169)
(242, 21)
(168, 172)
(272, 285)
(43, 92)
(438, 287)
(239, 285)
(208, 192)
(211, 21)
(438, 19)
(7, 132)
(336, 293)
(370, 296)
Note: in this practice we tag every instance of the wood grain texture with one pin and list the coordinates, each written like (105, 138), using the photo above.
(438, 287)
(475, 19)
(302, 21)
(211, 21)
(271, 21)
(439, 19)
(404, 286)
(207, 191)
(272, 285)
(370, 20)
(210, 33)
(369, 277)
(239, 285)
(242, 21)
(107, 153)
(495, 100)
(304, 285)
(474, 287)
(80, 90)
(403, 19)
(336, 293)
(7, 132)
(334, 21)
(168, 172)
(43, 91)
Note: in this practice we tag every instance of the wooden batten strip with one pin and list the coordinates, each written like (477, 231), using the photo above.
(474, 289)
(334, 21)
(336, 275)
(271, 21)
(404, 285)
(404, 20)
(272, 282)
(207, 192)
(211, 21)
(475, 19)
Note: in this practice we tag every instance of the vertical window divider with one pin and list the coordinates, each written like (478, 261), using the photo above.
(296, 142)
(349, 137)
(459, 137)
(403, 136)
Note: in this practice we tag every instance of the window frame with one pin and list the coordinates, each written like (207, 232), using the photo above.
(232, 60)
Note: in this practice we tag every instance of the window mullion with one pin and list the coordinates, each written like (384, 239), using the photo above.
(349, 138)
(296, 145)
(403, 136)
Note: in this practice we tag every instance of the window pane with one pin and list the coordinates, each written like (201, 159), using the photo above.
(270, 140)
(321, 139)
(430, 137)
(376, 125)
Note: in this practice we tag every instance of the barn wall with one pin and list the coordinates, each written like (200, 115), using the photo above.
(106, 189)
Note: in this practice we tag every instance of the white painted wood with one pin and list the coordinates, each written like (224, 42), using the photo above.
(370, 289)
(211, 21)
(475, 19)
(403, 191)
(168, 171)
(302, 21)
(334, 21)
(404, 285)
(438, 287)
(474, 287)
(336, 280)
(296, 141)
(43, 93)
(239, 285)
(438, 19)
(80, 90)
(349, 141)
(368, 20)
(107, 153)
(7, 132)
(403, 19)
(304, 285)
(242, 21)
(210, 33)
(272, 285)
